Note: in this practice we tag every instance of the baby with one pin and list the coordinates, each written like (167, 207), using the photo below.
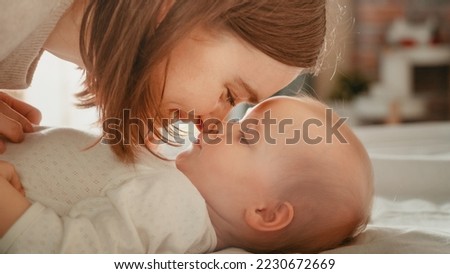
(265, 184)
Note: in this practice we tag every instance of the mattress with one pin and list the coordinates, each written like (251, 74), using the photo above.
(411, 211)
(410, 160)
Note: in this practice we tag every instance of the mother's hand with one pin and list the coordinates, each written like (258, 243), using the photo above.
(16, 118)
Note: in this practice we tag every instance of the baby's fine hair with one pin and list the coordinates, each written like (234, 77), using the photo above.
(332, 197)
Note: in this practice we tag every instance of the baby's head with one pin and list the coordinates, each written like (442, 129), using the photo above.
(289, 177)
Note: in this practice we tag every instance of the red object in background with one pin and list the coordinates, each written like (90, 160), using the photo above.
(406, 42)
(436, 39)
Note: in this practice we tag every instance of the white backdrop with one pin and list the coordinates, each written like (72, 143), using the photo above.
(52, 92)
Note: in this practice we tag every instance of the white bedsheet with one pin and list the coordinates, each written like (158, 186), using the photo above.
(409, 226)
(411, 212)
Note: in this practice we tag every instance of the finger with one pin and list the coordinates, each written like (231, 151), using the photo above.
(22, 191)
(8, 172)
(14, 180)
(11, 129)
(27, 111)
(11, 113)
(6, 169)
(31, 113)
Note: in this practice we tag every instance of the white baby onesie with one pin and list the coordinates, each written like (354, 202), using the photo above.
(86, 201)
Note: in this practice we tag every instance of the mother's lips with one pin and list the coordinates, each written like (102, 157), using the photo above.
(199, 124)
(199, 140)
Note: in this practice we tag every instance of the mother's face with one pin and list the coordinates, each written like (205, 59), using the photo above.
(207, 74)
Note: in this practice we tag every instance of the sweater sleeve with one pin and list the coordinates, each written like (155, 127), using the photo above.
(137, 217)
(24, 27)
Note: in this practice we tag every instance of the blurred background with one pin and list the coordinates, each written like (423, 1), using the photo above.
(388, 62)
(53, 90)
(393, 62)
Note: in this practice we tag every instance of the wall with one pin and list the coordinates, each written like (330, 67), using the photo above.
(373, 17)
(52, 91)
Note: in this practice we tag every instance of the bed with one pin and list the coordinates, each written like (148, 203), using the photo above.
(411, 211)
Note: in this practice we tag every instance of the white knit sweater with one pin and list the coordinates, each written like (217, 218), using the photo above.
(24, 27)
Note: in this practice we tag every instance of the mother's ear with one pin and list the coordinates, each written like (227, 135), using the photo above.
(270, 218)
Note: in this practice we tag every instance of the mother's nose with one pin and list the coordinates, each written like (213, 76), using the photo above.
(219, 113)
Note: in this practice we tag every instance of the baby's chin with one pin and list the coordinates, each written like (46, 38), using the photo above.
(182, 158)
(184, 164)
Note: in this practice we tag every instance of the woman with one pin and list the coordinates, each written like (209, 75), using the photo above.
(146, 60)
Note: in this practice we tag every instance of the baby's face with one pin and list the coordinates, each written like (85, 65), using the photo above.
(246, 160)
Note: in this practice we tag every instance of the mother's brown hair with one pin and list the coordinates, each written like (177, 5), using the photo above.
(121, 41)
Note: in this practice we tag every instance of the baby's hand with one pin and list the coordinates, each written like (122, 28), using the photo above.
(8, 172)
(13, 202)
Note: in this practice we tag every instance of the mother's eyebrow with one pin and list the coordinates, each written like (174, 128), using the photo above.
(253, 97)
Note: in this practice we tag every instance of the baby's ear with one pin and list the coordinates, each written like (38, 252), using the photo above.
(270, 218)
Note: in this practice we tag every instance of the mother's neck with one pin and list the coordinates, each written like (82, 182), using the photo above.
(63, 41)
